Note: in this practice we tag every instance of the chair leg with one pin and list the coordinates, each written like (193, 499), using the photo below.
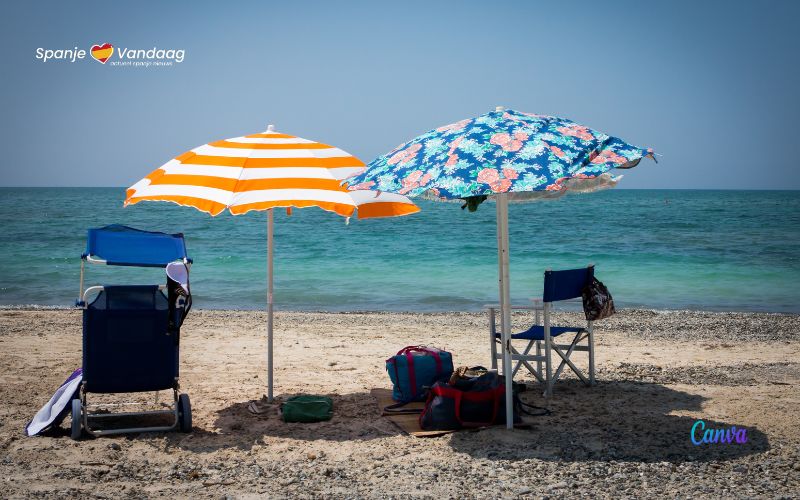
(566, 361)
(548, 361)
(520, 362)
(493, 339)
(533, 372)
(538, 353)
(525, 363)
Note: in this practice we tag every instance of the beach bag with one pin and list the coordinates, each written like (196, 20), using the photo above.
(415, 368)
(468, 403)
(463, 374)
(307, 408)
(474, 397)
(179, 296)
(597, 301)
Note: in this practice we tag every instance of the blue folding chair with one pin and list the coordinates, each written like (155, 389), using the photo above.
(131, 333)
(558, 286)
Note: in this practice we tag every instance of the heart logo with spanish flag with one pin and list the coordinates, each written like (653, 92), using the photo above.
(102, 52)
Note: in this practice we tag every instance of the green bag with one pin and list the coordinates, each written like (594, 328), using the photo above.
(307, 408)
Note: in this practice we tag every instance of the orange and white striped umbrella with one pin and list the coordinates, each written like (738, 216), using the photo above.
(263, 171)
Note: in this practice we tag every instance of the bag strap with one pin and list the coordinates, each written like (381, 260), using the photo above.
(494, 395)
(438, 359)
(427, 350)
(412, 377)
(412, 348)
(397, 409)
(523, 408)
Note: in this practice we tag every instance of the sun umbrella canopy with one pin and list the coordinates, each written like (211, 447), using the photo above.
(263, 171)
(511, 155)
(505, 151)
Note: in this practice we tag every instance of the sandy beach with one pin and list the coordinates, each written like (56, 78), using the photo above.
(658, 372)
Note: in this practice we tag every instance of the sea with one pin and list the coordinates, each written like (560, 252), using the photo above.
(655, 249)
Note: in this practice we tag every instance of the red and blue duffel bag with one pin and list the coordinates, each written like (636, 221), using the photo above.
(474, 402)
(474, 397)
(416, 368)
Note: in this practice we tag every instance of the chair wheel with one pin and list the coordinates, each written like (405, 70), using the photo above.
(184, 413)
(77, 423)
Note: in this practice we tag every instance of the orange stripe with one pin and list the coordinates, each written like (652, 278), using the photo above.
(235, 185)
(247, 145)
(270, 136)
(185, 155)
(208, 206)
(365, 211)
(155, 174)
(234, 161)
(338, 208)
(385, 209)
(222, 161)
(196, 180)
(258, 184)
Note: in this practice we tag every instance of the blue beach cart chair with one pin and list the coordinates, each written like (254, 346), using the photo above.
(558, 286)
(131, 333)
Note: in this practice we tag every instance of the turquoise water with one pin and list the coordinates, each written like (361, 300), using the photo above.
(714, 250)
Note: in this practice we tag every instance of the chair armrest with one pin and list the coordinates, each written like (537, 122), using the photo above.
(536, 307)
(514, 307)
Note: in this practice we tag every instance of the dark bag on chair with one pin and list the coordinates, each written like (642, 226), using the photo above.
(178, 295)
(597, 301)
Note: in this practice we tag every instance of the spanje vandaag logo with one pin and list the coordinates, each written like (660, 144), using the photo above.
(106, 53)
(103, 52)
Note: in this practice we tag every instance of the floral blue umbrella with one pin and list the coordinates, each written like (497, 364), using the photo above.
(511, 156)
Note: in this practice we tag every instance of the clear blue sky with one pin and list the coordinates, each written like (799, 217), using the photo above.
(712, 86)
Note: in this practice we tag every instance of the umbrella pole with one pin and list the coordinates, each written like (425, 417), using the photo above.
(505, 302)
(270, 223)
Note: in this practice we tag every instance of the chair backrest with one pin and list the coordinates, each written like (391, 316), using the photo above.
(567, 284)
(127, 346)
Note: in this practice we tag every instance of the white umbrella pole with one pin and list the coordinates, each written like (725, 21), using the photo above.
(270, 223)
(505, 302)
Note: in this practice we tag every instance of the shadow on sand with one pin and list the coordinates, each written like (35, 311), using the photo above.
(614, 421)
(355, 418)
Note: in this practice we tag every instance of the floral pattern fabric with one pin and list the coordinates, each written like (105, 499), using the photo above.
(502, 151)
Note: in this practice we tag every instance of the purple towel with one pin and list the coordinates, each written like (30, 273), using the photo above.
(59, 405)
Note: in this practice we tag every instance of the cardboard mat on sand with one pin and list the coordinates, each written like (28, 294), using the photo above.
(408, 423)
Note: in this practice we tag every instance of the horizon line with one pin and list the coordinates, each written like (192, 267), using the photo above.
(614, 189)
